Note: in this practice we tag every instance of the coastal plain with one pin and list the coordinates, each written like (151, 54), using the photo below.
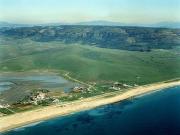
(51, 71)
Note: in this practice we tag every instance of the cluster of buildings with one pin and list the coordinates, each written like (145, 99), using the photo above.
(79, 89)
(119, 86)
(39, 96)
(42, 96)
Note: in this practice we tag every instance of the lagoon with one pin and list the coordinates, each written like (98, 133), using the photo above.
(14, 86)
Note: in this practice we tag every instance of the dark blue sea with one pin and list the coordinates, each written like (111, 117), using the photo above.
(156, 113)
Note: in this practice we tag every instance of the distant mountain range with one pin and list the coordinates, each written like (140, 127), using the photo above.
(97, 23)
(167, 24)
(7, 24)
(109, 23)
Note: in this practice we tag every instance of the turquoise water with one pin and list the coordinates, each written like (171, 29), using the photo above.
(152, 114)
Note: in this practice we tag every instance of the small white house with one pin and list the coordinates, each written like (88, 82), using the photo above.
(1, 106)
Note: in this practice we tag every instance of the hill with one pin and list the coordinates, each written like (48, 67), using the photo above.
(89, 64)
(124, 38)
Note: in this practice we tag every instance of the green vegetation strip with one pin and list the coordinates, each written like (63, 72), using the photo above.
(6, 111)
(91, 64)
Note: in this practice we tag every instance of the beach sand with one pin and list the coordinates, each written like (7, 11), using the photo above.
(24, 118)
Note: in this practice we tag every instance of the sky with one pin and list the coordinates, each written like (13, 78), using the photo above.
(71, 11)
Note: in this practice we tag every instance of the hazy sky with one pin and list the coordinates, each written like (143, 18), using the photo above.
(127, 11)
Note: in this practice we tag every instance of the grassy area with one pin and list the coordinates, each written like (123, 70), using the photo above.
(91, 64)
(23, 107)
(5, 111)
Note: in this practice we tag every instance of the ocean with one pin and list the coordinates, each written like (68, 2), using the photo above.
(156, 113)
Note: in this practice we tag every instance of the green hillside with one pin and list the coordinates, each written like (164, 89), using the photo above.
(90, 64)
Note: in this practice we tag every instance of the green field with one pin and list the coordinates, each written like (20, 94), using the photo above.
(90, 64)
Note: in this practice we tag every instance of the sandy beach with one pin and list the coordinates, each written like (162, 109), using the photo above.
(24, 118)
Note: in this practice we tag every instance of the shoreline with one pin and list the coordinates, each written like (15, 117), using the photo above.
(24, 118)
